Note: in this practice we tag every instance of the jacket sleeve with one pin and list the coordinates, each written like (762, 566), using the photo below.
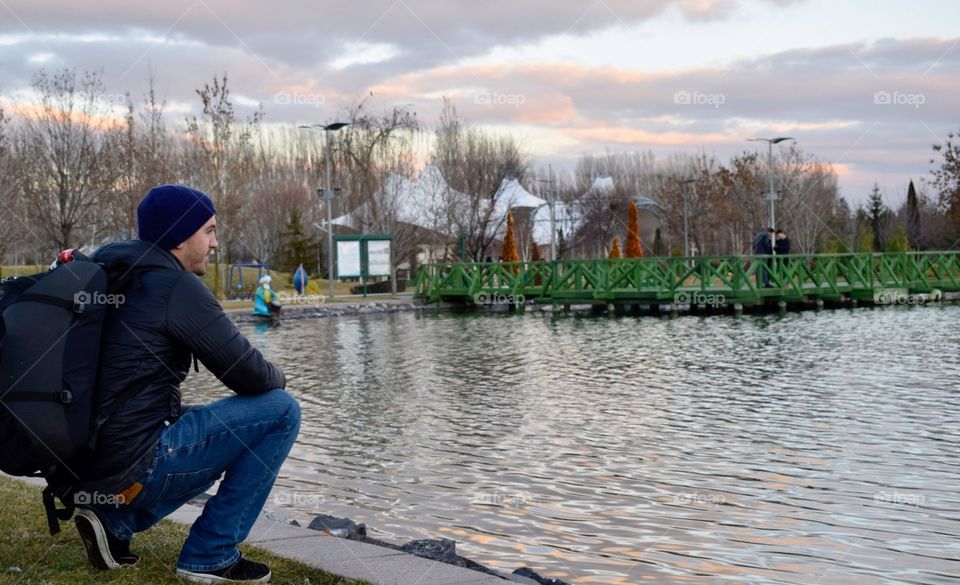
(196, 319)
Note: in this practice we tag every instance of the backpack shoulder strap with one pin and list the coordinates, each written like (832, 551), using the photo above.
(54, 514)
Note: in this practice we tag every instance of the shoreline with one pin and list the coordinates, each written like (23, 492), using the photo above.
(346, 558)
(243, 315)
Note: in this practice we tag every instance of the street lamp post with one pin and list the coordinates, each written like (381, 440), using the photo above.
(771, 194)
(553, 218)
(328, 195)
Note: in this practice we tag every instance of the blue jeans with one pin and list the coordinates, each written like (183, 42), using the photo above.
(243, 438)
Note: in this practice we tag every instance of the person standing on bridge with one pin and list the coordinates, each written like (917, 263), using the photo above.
(763, 246)
(781, 246)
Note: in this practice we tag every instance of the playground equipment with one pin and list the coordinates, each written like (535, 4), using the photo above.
(238, 292)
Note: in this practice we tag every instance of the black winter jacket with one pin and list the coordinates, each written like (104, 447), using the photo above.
(166, 316)
(782, 246)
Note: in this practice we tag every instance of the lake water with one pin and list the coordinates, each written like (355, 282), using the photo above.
(814, 447)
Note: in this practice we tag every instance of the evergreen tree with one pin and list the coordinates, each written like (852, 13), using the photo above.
(865, 239)
(634, 248)
(298, 248)
(535, 257)
(534, 251)
(879, 216)
(510, 253)
(913, 217)
(831, 246)
(898, 243)
(615, 252)
(659, 248)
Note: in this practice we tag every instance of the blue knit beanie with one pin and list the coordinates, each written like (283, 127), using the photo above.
(170, 214)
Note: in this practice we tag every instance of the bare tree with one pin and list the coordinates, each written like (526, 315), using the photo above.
(146, 160)
(945, 180)
(744, 181)
(376, 164)
(602, 212)
(222, 149)
(267, 216)
(11, 225)
(476, 163)
(68, 144)
(371, 148)
(809, 206)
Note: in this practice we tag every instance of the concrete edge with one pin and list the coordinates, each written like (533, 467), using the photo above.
(349, 559)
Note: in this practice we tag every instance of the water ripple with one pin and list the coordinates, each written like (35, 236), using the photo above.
(800, 448)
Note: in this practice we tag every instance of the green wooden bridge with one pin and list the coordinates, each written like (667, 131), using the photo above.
(716, 282)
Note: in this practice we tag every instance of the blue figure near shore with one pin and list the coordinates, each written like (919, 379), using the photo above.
(266, 302)
(300, 280)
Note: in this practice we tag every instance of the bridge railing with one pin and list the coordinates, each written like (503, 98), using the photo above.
(661, 278)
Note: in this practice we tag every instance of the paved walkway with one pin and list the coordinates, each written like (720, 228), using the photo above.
(354, 560)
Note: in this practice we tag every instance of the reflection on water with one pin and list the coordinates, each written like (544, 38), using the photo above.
(802, 448)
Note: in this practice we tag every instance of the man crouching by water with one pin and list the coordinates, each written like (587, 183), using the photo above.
(155, 456)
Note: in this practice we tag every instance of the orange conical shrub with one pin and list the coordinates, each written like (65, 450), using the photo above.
(615, 249)
(510, 243)
(634, 248)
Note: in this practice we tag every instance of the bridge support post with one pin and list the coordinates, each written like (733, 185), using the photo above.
(782, 305)
(738, 308)
(819, 303)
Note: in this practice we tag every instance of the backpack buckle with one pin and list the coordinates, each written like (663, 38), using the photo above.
(66, 396)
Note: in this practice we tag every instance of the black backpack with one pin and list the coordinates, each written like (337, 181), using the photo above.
(50, 327)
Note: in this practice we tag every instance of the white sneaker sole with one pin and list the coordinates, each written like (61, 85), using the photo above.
(99, 533)
(208, 578)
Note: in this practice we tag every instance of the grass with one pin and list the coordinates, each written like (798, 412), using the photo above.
(21, 270)
(29, 555)
(280, 281)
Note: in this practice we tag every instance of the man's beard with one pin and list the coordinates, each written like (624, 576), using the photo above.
(201, 267)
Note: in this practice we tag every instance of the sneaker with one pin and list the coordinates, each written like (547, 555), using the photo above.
(242, 570)
(104, 550)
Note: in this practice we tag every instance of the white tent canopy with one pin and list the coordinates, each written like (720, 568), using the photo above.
(419, 202)
(512, 195)
(565, 217)
(601, 184)
(427, 200)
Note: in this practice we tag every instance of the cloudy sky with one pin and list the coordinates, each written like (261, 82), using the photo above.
(868, 85)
